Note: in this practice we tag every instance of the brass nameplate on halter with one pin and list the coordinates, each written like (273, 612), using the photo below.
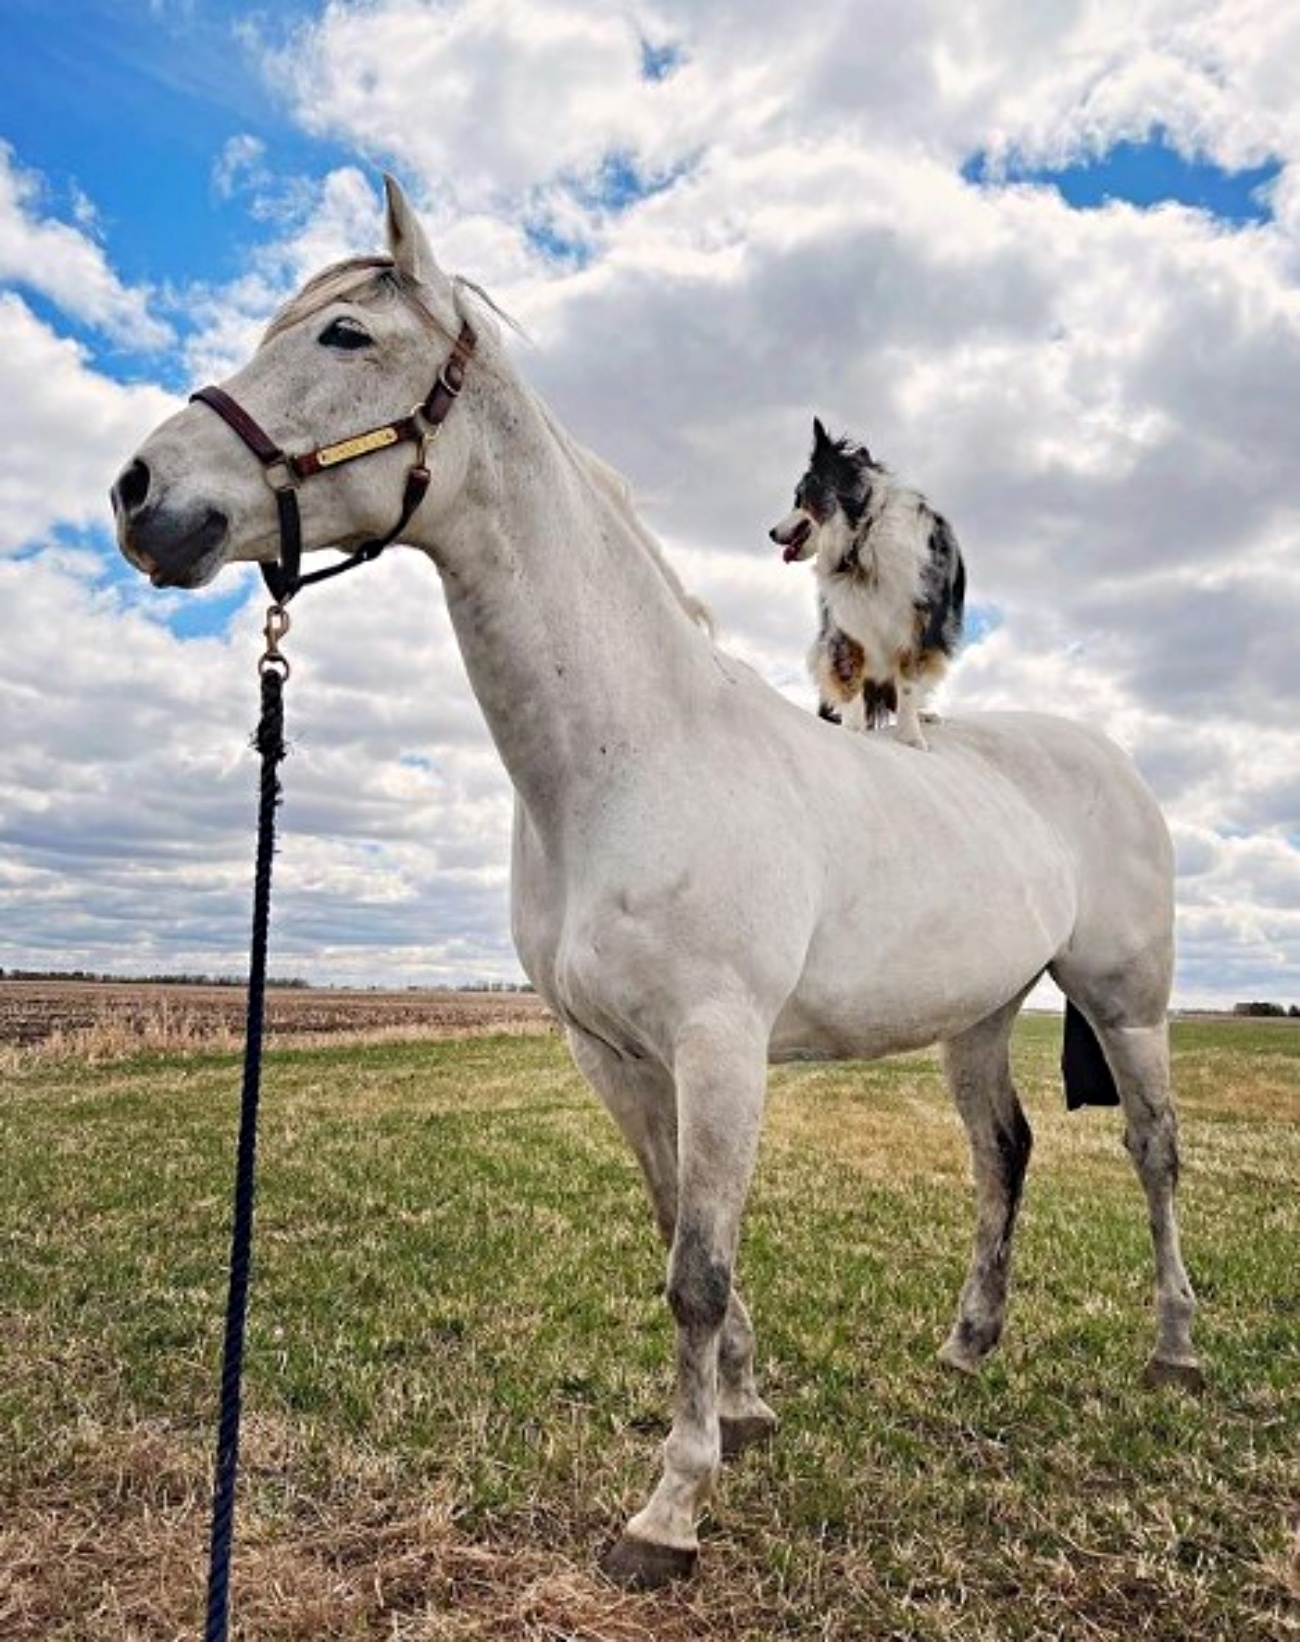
(329, 456)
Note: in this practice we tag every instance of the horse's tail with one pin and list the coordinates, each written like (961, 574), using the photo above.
(1089, 1080)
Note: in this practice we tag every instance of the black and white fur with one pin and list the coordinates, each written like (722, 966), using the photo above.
(891, 583)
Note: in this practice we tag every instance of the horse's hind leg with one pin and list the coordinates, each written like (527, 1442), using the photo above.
(978, 1065)
(1139, 1058)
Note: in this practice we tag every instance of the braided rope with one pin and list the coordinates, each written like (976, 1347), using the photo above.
(269, 742)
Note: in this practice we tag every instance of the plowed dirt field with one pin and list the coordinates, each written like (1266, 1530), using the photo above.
(34, 1013)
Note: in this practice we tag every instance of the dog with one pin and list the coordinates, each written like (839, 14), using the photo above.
(891, 586)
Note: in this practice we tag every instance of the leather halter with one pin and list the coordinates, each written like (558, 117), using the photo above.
(284, 472)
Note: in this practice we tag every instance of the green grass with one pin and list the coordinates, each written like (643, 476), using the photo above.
(458, 1366)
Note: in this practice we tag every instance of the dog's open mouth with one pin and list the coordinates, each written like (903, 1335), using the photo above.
(801, 533)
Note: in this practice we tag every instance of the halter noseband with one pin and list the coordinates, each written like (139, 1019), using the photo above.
(284, 473)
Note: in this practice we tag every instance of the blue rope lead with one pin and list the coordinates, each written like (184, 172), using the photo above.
(270, 743)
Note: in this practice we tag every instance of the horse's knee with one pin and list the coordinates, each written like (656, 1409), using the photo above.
(699, 1282)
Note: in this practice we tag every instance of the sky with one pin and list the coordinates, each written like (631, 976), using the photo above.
(1044, 259)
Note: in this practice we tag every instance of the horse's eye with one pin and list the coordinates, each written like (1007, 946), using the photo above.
(345, 333)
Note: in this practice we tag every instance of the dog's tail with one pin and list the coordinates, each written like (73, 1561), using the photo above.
(1089, 1080)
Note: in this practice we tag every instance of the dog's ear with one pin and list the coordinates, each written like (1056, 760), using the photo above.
(820, 435)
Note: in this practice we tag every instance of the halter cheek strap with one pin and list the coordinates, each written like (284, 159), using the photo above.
(284, 472)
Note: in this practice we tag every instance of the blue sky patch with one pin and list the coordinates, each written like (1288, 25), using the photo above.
(207, 614)
(204, 614)
(621, 184)
(615, 187)
(76, 111)
(568, 249)
(658, 62)
(980, 620)
(1143, 174)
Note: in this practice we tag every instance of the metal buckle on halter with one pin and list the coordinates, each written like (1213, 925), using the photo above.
(280, 475)
(428, 430)
(444, 381)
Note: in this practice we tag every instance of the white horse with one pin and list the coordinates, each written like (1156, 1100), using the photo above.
(705, 877)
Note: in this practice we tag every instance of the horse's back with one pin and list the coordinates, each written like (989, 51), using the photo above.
(1017, 843)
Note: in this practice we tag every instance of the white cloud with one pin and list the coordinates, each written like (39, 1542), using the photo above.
(66, 265)
(65, 430)
(509, 94)
(241, 164)
(128, 794)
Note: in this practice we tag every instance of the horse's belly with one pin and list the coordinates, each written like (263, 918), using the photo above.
(883, 1019)
(889, 974)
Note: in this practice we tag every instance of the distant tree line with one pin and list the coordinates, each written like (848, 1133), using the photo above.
(1273, 1009)
(143, 980)
(287, 981)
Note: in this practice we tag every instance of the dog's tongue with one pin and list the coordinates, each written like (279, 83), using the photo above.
(796, 542)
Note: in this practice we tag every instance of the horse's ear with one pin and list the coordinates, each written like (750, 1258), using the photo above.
(407, 244)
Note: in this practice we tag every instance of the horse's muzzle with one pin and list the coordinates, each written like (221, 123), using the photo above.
(173, 548)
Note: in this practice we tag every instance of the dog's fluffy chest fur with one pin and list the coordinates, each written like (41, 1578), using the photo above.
(874, 580)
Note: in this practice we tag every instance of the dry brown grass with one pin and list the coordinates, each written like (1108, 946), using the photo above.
(119, 1551)
(96, 1022)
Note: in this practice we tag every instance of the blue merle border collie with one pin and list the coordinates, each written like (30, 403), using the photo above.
(891, 585)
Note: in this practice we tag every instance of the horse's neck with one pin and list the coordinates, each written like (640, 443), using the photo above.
(576, 643)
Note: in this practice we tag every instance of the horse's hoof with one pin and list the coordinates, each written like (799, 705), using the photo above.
(1189, 1376)
(746, 1432)
(951, 1355)
(641, 1565)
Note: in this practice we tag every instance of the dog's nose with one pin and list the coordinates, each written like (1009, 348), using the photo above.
(774, 535)
(131, 491)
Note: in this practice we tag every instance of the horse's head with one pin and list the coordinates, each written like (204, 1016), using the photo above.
(351, 354)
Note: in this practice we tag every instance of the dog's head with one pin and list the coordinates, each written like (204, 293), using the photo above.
(830, 499)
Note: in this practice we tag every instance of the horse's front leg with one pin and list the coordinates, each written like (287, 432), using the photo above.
(640, 1096)
(720, 1070)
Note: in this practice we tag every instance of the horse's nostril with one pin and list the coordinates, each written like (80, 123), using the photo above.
(132, 488)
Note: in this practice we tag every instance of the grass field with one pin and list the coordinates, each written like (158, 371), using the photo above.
(459, 1358)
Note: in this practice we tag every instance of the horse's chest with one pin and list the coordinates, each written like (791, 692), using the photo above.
(572, 939)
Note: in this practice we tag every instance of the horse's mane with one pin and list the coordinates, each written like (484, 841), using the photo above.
(357, 276)
(374, 276)
(611, 484)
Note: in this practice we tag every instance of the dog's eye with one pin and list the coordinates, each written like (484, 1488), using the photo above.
(814, 501)
(346, 334)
